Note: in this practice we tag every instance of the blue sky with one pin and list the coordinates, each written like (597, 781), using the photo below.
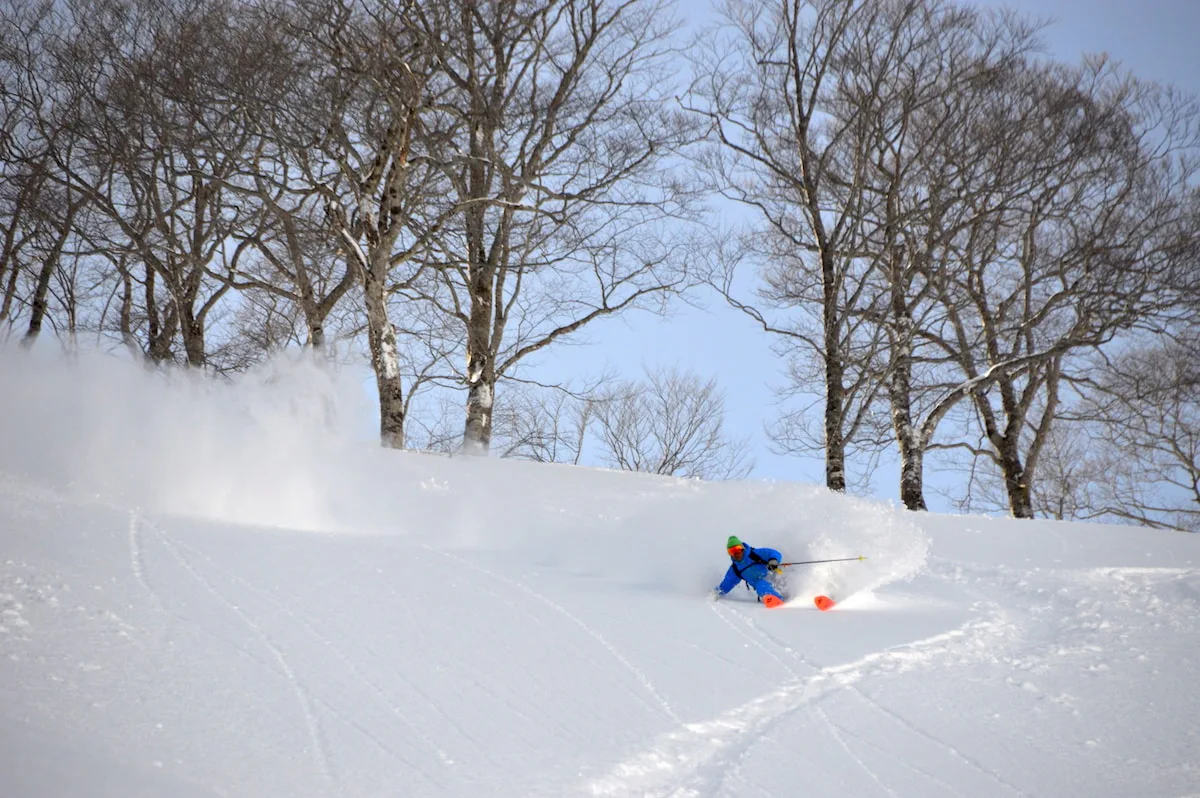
(1156, 39)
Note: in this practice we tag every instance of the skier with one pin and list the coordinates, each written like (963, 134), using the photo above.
(756, 566)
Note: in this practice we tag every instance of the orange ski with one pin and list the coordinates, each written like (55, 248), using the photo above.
(772, 601)
(824, 603)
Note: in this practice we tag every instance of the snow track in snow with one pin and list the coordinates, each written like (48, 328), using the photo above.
(663, 705)
(309, 698)
(320, 748)
(699, 758)
(135, 552)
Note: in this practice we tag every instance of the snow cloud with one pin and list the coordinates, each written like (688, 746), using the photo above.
(261, 449)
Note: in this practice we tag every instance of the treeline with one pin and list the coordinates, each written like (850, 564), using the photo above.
(960, 247)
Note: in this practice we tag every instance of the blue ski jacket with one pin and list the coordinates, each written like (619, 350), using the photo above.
(752, 568)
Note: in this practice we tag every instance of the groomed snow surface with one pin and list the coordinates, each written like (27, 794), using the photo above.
(228, 591)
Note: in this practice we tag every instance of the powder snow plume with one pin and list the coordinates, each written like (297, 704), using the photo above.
(259, 449)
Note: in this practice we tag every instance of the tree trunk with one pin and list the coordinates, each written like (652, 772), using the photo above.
(385, 359)
(481, 371)
(316, 335)
(908, 439)
(193, 340)
(125, 320)
(39, 305)
(912, 477)
(314, 319)
(1020, 502)
(161, 329)
(162, 335)
(835, 443)
(9, 261)
(10, 290)
(481, 365)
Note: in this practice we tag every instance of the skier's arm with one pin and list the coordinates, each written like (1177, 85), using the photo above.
(729, 582)
(770, 554)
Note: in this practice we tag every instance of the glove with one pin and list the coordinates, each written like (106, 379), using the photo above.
(714, 594)
(772, 565)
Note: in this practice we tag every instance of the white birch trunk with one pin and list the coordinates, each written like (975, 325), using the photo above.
(385, 361)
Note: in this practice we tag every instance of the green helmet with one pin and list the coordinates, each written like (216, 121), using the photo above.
(733, 541)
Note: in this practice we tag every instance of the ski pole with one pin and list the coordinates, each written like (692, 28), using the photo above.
(814, 562)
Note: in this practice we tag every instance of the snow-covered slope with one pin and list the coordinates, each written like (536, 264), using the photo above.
(220, 592)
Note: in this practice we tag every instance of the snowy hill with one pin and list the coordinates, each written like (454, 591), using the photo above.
(222, 591)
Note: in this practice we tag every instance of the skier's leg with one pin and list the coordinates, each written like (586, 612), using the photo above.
(764, 588)
(767, 593)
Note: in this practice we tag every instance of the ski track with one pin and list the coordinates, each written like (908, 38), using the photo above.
(933, 777)
(664, 706)
(564, 731)
(952, 750)
(901, 655)
(788, 665)
(282, 609)
(303, 697)
(381, 696)
(707, 752)
(838, 731)
(136, 561)
(434, 705)
(309, 701)
(697, 759)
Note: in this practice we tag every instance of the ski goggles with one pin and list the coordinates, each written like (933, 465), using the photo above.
(736, 552)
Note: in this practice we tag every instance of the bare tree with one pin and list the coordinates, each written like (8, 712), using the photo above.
(944, 218)
(1141, 414)
(369, 85)
(36, 212)
(153, 143)
(291, 99)
(766, 85)
(20, 177)
(61, 206)
(917, 99)
(1078, 237)
(292, 256)
(671, 424)
(558, 161)
(543, 424)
